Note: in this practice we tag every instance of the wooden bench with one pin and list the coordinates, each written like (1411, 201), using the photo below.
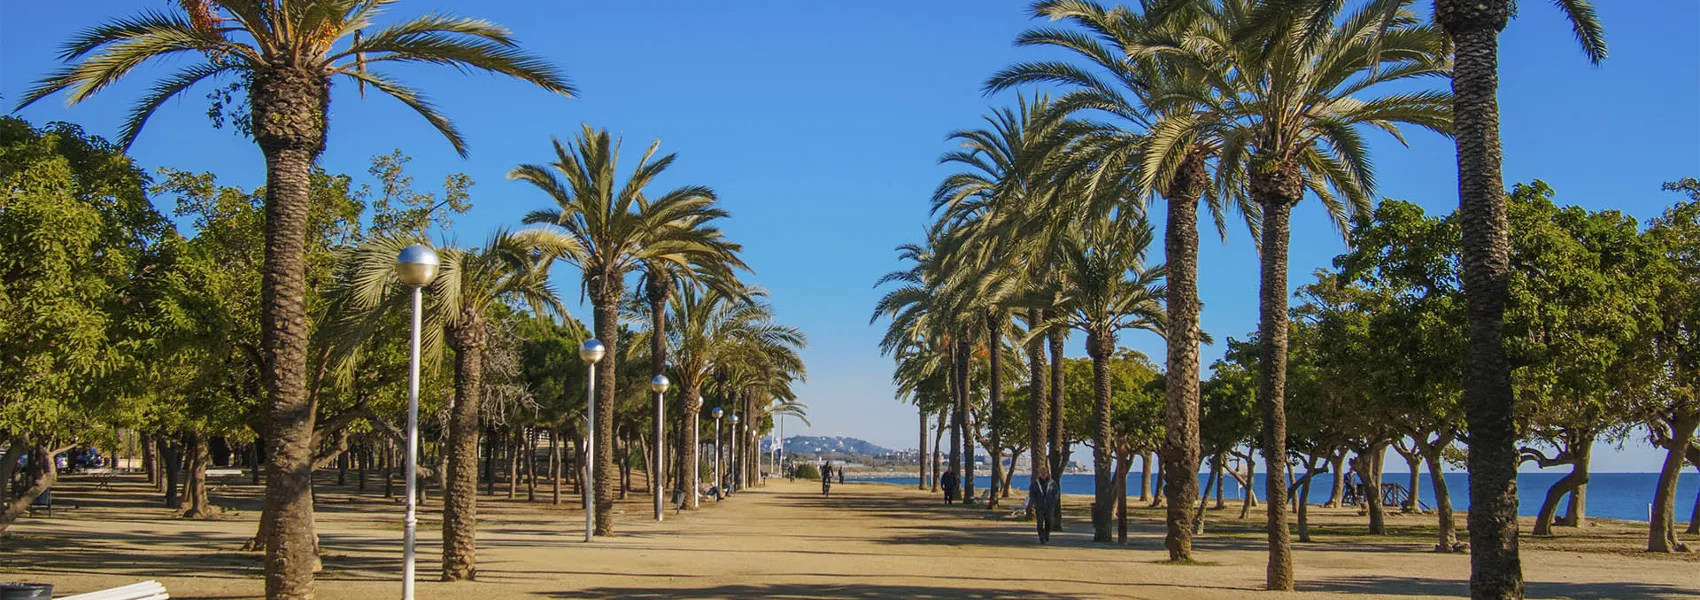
(146, 590)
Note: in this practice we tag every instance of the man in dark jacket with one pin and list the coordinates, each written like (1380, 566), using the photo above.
(1043, 495)
(949, 481)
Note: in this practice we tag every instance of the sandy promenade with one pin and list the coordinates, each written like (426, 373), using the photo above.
(784, 541)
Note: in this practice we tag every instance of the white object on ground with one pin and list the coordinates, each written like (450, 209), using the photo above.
(146, 590)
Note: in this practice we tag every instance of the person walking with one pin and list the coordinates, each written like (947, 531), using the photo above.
(841, 474)
(826, 478)
(949, 481)
(1043, 495)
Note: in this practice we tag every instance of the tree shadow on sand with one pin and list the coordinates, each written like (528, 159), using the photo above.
(1416, 586)
(798, 591)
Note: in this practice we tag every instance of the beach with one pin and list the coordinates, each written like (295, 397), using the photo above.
(784, 540)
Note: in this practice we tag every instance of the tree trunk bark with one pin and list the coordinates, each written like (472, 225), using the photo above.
(1661, 529)
(938, 434)
(607, 320)
(1576, 514)
(1099, 345)
(1496, 571)
(1144, 476)
(1276, 192)
(1038, 407)
(1335, 466)
(964, 356)
(288, 106)
(1549, 506)
(196, 487)
(1370, 470)
(490, 450)
(1059, 442)
(173, 463)
(690, 476)
(1180, 450)
(1448, 530)
(921, 457)
(531, 466)
(460, 502)
(1123, 465)
(994, 398)
(555, 465)
(40, 473)
(511, 444)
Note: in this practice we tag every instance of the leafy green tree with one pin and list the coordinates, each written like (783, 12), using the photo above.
(615, 228)
(1580, 306)
(1669, 406)
(285, 56)
(75, 229)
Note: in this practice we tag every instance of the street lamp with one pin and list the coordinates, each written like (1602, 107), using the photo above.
(415, 266)
(719, 484)
(591, 352)
(732, 457)
(659, 384)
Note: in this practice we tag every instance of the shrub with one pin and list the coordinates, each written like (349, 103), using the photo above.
(808, 471)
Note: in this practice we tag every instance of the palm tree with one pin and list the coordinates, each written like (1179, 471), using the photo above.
(995, 234)
(286, 54)
(708, 331)
(617, 227)
(1473, 27)
(1295, 82)
(473, 287)
(1157, 128)
(1109, 288)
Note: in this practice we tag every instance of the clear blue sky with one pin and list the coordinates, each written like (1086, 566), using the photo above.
(819, 124)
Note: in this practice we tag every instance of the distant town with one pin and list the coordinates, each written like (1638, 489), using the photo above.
(857, 454)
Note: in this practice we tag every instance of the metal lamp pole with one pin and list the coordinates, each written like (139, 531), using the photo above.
(659, 385)
(415, 266)
(591, 353)
(719, 484)
(732, 457)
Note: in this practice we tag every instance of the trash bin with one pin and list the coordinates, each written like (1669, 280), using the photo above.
(26, 591)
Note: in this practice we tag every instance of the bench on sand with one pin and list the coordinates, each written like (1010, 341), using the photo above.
(146, 590)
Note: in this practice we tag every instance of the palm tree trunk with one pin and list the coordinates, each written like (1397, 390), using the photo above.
(964, 390)
(1059, 449)
(555, 465)
(921, 457)
(1099, 345)
(955, 422)
(938, 433)
(1180, 451)
(1038, 408)
(994, 398)
(460, 503)
(656, 287)
(607, 318)
(1276, 191)
(288, 107)
(1496, 571)
(690, 405)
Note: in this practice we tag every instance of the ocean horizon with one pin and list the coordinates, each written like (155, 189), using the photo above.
(1625, 496)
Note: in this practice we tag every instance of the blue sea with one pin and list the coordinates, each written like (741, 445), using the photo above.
(1610, 495)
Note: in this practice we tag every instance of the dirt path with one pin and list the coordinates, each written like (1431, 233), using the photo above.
(784, 541)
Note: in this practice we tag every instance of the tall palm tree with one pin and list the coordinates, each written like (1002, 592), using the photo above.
(472, 287)
(616, 227)
(1473, 27)
(286, 54)
(1156, 130)
(1296, 83)
(710, 329)
(994, 234)
(1109, 288)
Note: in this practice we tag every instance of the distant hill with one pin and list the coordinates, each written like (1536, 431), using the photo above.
(809, 444)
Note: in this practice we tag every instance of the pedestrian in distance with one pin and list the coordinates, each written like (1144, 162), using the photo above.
(949, 481)
(826, 478)
(1043, 494)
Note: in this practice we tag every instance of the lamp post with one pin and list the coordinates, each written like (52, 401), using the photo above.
(591, 352)
(659, 385)
(732, 457)
(719, 484)
(415, 266)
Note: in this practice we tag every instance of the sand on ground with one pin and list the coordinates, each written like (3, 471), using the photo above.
(783, 540)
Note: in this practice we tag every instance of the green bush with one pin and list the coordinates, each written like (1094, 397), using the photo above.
(807, 471)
